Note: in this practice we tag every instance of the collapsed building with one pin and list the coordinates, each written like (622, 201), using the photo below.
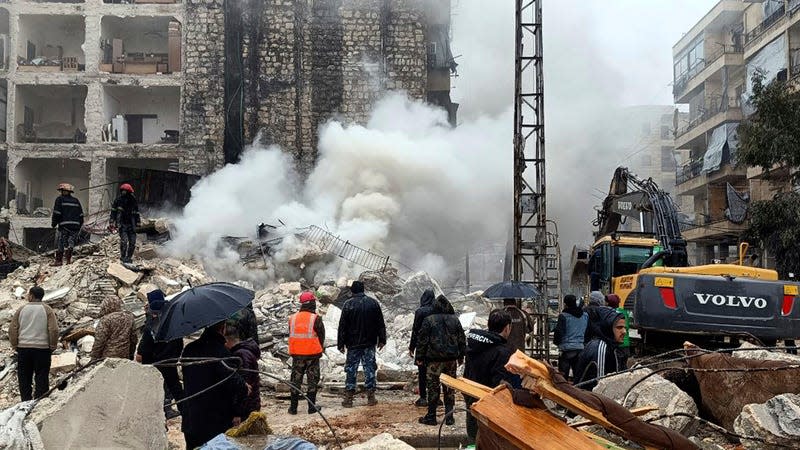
(95, 92)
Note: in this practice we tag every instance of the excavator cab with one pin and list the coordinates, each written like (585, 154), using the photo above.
(616, 259)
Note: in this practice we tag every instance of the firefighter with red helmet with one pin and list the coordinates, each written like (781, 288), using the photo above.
(125, 219)
(67, 219)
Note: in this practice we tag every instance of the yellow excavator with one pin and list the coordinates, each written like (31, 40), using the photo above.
(666, 298)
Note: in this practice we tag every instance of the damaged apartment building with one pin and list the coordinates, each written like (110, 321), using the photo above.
(99, 92)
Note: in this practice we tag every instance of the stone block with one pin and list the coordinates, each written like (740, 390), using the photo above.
(383, 441)
(63, 362)
(291, 288)
(777, 422)
(147, 252)
(123, 275)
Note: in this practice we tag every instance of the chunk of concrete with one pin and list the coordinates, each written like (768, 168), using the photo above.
(64, 362)
(748, 350)
(777, 422)
(125, 276)
(114, 404)
(383, 441)
(327, 294)
(147, 252)
(412, 290)
(654, 391)
(291, 288)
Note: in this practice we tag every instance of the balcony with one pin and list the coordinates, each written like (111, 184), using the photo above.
(728, 55)
(691, 181)
(752, 36)
(713, 231)
(711, 117)
(688, 171)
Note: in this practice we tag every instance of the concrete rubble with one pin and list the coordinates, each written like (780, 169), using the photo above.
(383, 441)
(654, 391)
(777, 422)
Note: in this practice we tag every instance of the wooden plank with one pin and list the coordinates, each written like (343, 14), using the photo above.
(636, 412)
(174, 46)
(527, 428)
(466, 386)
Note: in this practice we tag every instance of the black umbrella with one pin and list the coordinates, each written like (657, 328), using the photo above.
(200, 307)
(511, 289)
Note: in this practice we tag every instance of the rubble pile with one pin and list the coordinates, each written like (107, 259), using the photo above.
(777, 421)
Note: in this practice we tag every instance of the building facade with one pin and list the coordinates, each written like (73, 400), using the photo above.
(714, 64)
(93, 87)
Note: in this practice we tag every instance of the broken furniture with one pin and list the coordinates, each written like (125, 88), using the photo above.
(50, 133)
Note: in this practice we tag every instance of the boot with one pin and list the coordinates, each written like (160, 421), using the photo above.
(312, 403)
(371, 401)
(348, 399)
(59, 259)
(293, 404)
(68, 256)
(428, 419)
(421, 402)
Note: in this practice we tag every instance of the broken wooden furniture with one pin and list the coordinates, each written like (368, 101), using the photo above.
(548, 383)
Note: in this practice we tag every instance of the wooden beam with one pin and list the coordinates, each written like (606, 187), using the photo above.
(465, 386)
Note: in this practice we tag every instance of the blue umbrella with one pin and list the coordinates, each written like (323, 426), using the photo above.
(511, 289)
(200, 307)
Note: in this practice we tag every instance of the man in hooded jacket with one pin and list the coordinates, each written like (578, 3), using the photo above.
(425, 309)
(115, 336)
(596, 301)
(602, 355)
(569, 334)
(487, 355)
(441, 346)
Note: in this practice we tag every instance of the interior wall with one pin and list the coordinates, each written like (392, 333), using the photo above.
(162, 101)
(112, 172)
(4, 21)
(38, 179)
(49, 32)
(52, 104)
(138, 34)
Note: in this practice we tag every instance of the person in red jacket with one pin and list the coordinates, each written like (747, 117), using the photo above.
(306, 344)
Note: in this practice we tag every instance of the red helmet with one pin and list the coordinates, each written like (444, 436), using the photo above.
(307, 296)
(126, 187)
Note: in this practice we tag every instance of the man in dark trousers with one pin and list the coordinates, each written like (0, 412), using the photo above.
(125, 218)
(487, 355)
(521, 325)
(361, 328)
(442, 345)
(306, 344)
(602, 355)
(425, 309)
(210, 407)
(249, 352)
(568, 336)
(33, 333)
(68, 219)
(151, 352)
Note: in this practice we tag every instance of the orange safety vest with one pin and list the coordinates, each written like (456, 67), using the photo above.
(303, 340)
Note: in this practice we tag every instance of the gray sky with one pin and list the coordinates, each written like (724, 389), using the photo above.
(599, 55)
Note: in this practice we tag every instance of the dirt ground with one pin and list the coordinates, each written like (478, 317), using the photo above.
(394, 414)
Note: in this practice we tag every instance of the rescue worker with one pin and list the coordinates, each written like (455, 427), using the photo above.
(568, 335)
(361, 329)
(306, 344)
(602, 355)
(68, 220)
(125, 219)
(442, 346)
(425, 309)
(521, 325)
(115, 336)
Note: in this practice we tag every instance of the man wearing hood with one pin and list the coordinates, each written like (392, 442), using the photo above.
(306, 344)
(568, 335)
(596, 301)
(115, 335)
(602, 355)
(487, 355)
(151, 352)
(441, 346)
(425, 309)
(249, 352)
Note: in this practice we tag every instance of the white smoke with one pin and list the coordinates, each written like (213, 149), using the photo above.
(405, 184)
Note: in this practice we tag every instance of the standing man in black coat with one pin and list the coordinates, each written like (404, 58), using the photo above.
(125, 218)
(425, 309)
(211, 412)
(442, 345)
(68, 219)
(361, 328)
(487, 355)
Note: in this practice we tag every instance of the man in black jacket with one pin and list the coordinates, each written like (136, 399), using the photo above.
(211, 412)
(602, 355)
(487, 355)
(68, 218)
(425, 309)
(361, 328)
(441, 347)
(151, 352)
(125, 218)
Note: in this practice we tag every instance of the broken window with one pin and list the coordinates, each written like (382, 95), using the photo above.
(50, 43)
(140, 45)
(36, 179)
(49, 114)
(140, 115)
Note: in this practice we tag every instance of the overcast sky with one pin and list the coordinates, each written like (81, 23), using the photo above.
(599, 55)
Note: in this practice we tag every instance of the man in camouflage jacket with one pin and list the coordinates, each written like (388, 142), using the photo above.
(115, 336)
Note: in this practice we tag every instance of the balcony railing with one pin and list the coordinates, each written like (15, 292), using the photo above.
(683, 81)
(708, 112)
(765, 25)
(688, 171)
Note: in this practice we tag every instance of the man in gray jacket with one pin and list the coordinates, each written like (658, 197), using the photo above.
(33, 333)
(568, 335)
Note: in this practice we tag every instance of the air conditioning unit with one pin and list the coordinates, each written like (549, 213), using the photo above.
(3, 52)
